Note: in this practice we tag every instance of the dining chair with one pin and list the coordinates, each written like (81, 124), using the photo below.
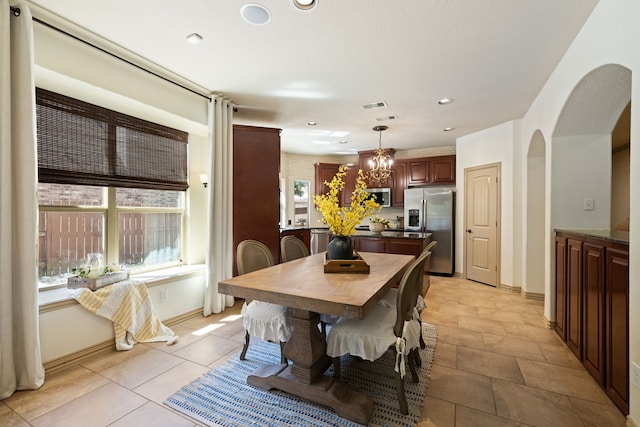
(293, 248)
(386, 327)
(267, 321)
(420, 303)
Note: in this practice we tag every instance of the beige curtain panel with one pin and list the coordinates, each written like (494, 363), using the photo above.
(219, 254)
(20, 359)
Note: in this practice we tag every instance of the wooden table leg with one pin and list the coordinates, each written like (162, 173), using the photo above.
(305, 377)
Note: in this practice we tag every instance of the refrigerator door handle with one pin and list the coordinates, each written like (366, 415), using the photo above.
(424, 216)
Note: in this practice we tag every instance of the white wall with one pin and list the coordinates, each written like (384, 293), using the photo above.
(581, 169)
(610, 36)
(493, 145)
(72, 328)
(534, 242)
(620, 187)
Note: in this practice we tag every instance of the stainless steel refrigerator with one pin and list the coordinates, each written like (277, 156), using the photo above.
(432, 210)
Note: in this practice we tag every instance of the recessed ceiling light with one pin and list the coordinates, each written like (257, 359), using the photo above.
(194, 38)
(312, 123)
(445, 101)
(255, 14)
(343, 142)
(305, 4)
(448, 129)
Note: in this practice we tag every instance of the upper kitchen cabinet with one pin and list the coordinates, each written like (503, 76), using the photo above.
(326, 171)
(419, 171)
(439, 170)
(399, 179)
(256, 193)
(443, 170)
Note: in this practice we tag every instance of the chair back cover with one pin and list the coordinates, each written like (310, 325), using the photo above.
(408, 290)
(253, 255)
(292, 248)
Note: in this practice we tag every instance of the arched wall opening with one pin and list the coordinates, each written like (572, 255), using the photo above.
(581, 154)
(581, 157)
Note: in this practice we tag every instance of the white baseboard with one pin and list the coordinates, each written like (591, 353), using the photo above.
(78, 357)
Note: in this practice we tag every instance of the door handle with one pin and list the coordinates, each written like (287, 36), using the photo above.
(469, 231)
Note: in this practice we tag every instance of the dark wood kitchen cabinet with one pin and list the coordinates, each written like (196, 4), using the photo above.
(592, 307)
(419, 171)
(437, 170)
(574, 296)
(443, 170)
(399, 179)
(561, 287)
(617, 326)
(394, 245)
(593, 301)
(326, 172)
(256, 193)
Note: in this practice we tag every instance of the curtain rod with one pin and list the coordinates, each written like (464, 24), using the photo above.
(16, 12)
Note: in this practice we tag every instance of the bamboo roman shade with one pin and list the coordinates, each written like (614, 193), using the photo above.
(82, 143)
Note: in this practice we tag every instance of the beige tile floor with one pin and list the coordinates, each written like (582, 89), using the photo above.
(495, 365)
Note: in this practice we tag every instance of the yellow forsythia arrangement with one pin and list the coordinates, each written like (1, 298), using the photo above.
(342, 221)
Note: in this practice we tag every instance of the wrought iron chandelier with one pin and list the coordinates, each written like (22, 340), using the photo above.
(381, 162)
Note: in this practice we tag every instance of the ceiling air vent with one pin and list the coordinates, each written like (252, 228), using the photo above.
(385, 118)
(378, 104)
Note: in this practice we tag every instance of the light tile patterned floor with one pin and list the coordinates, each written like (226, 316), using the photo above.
(495, 365)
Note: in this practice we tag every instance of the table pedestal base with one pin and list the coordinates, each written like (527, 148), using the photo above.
(307, 350)
(328, 391)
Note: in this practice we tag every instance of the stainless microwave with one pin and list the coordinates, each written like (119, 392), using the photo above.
(382, 196)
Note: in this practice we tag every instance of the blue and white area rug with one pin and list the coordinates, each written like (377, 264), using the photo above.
(222, 396)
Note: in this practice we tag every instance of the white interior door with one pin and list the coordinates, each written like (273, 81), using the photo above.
(482, 201)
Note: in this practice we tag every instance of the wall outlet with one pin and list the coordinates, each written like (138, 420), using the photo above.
(588, 204)
(635, 375)
(164, 295)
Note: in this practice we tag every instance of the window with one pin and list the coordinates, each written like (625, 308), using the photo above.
(301, 202)
(108, 183)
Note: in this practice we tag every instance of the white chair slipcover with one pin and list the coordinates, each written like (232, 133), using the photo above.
(267, 321)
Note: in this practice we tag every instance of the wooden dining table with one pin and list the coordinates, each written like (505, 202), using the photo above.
(303, 285)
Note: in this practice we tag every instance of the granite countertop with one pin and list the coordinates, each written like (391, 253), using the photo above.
(618, 236)
(389, 232)
(394, 233)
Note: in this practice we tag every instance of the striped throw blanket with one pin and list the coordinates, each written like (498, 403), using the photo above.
(128, 305)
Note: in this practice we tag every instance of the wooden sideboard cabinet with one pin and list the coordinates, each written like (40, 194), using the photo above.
(592, 307)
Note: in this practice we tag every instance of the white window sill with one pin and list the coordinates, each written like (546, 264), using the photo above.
(55, 298)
